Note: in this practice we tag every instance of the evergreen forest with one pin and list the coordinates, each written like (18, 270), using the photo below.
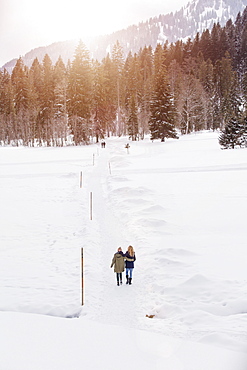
(182, 87)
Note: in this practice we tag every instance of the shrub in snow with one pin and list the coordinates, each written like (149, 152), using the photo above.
(234, 134)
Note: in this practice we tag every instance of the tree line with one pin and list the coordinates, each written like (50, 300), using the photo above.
(179, 87)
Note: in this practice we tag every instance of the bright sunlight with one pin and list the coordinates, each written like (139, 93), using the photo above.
(27, 24)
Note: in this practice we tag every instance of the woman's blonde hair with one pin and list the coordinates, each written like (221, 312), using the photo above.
(131, 251)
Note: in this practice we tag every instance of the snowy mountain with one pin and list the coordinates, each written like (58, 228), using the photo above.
(196, 16)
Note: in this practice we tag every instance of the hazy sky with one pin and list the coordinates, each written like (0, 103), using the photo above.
(27, 24)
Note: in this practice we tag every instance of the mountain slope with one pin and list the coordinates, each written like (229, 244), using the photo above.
(196, 16)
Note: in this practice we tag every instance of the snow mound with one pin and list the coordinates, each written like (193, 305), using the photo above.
(167, 310)
(196, 281)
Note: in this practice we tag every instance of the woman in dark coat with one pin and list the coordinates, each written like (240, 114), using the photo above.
(118, 263)
(129, 264)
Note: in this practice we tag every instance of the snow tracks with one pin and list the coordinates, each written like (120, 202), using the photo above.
(104, 300)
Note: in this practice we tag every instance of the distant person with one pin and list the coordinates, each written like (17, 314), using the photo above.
(129, 264)
(103, 144)
(118, 263)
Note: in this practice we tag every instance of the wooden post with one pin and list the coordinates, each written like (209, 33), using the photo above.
(81, 180)
(82, 282)
(91, 205)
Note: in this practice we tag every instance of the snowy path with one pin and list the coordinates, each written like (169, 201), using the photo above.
(114, 305)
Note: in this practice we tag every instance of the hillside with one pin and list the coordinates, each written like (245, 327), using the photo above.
(196, 16)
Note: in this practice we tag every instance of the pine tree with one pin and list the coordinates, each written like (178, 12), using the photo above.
(133, 120)
(37, 88)
(243, 57)
(145, 88)
(100, 98)
(60, 119)
(118, 63)
(178, 52)
(36, 79)
(6, 109)
(215, 36)
(110, 95)
(132, 83)
(244, 131)
(46, 99)
(227, 97)
(231, 96)
(195, 46)
(21, 89)
(244, 91)
(161, 122)
(206, 77)
(223, 43)
(232, 135)
(80, 95)
(19, 79)
(206, 45)
(230, 39)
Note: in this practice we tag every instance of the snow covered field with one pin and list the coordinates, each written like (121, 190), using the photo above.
(181, 204)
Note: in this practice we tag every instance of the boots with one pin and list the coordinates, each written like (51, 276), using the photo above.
(127, 279)
(130, 281)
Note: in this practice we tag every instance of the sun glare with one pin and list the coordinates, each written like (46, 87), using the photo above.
(80, 19)
(28, 24)
(76, 19)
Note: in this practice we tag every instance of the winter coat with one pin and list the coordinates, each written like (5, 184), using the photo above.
(129, 261)
(118, 262)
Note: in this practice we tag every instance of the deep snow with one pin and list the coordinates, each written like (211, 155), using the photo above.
(181, 204)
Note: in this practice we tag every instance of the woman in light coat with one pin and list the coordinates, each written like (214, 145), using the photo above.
(118, 263)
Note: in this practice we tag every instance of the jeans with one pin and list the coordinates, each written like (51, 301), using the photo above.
(129, 272)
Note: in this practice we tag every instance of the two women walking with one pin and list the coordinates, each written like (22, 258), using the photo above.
(121, 261)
